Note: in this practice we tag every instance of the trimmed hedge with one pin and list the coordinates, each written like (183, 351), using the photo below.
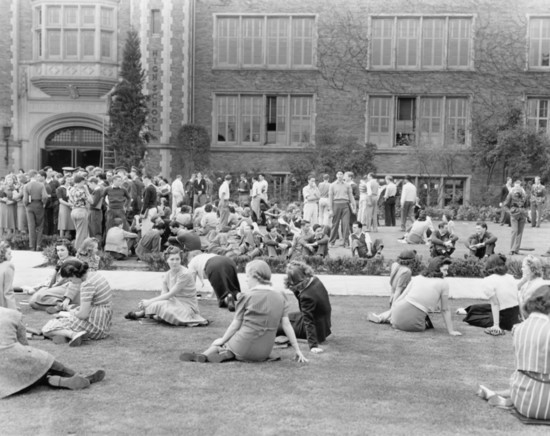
(105, 259)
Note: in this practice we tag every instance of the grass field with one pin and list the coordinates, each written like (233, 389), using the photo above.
(370, 380)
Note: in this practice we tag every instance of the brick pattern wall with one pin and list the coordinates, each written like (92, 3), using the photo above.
(495, 81)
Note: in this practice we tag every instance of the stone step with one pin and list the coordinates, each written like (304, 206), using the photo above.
(131, 264)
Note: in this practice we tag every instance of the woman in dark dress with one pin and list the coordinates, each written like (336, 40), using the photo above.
(312, 322)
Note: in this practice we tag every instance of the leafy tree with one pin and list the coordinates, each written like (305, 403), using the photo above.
(128, 132)
(507, 143)
(193, 149)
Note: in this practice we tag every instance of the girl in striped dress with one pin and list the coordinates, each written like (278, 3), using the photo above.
(177, 304)
(530, 383)
(92, 319)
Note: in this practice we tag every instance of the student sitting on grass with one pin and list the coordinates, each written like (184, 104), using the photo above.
(58, 289)
(92, 319)
(529, 389)
(151, 242)
(442, 241)
(361, 243)
(482, 243)
(420, 231)
(177, 304)
(88, 253)
(313, 321)
(117, 240)
(502, 311)
(425, 292)
(401, 274)
(251, 335)
(22, 366)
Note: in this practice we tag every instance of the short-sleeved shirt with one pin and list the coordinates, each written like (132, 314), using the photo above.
(96, 290)
(426, 292)
(504, 287)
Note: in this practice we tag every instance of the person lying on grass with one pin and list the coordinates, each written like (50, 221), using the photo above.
(423, 294)
(22, 366)
(312, 322)
(177, 304)
(529, 389)
(502, 311)
(92, 319)
(251, 335)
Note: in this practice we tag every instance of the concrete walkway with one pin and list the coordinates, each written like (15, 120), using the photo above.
(27, 273)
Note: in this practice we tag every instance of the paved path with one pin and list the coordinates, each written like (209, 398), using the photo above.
(27, 273)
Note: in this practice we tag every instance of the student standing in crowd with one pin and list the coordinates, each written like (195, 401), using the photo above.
(389, 202)
(538, 201)
(324, 204)
(408, 199)
(244, 191)
(311, 196)
(517, 203)
(149, 205)
(35, 198)
(117, 198)
(342, 203)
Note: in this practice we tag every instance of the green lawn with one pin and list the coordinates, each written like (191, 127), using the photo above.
(370, 380)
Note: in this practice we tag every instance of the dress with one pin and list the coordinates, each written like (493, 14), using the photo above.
(260, 310)
(6, 285)
(505, 289)
(422, 296)
(79, 215)
(97, 291)
(182, 308)
(54, 291)
(64, 221)
(20, 365)
(530, 383)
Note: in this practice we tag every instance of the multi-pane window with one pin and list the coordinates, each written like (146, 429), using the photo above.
(539, 42)
(407, 120)
(265, 42)
(537, 113)
(156, 21)
(74, 32)
(440, 42)
(281, 120)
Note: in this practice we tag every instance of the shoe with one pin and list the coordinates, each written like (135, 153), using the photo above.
(372, 317)
(484, 392)
(53, 309)
(131, 315)
(230, 300)
(500, 402)
(96, 377)
(402, 241)
(76, 382)
(193, 357)
(461, 311)
(281, 340)
(77, 339)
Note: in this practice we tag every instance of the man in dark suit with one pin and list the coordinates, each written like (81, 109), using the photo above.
(482, 243)
(51, 210)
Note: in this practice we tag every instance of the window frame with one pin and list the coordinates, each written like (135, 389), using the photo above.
(538, 99)
(418, 101)
(263, 134)
(419, 64)
(265, 64)
(42, 30)
(528, 65)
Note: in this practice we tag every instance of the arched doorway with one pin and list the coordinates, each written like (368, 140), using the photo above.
(72, 147)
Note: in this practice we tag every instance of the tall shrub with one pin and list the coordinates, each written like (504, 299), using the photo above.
(193, 149)
(128, 133)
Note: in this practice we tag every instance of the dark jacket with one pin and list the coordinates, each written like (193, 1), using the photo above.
(316, 310)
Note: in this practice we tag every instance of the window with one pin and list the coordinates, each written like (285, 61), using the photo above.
(408, 120)
(155, 21)
(282, 120)
(74, 32)
(539, 42)
(421, 42)
(537, 113)
(264, 42)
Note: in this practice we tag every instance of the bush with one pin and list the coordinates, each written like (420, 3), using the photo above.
(478, 213)
(470, 267)
(156, 262)
(105, 259)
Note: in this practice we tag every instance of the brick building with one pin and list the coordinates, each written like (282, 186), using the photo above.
(265, 77)
(63, 61)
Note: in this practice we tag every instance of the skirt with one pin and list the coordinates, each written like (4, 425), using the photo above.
(98, 324)
(11, 217)
(480, 315)
(407, 317)
(21, 217)
(176, 312)
(531, 397)
(64, 222)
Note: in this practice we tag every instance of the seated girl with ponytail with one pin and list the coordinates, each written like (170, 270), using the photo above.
(251, 335)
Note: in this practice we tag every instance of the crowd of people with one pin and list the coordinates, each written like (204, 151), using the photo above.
(201, 236)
